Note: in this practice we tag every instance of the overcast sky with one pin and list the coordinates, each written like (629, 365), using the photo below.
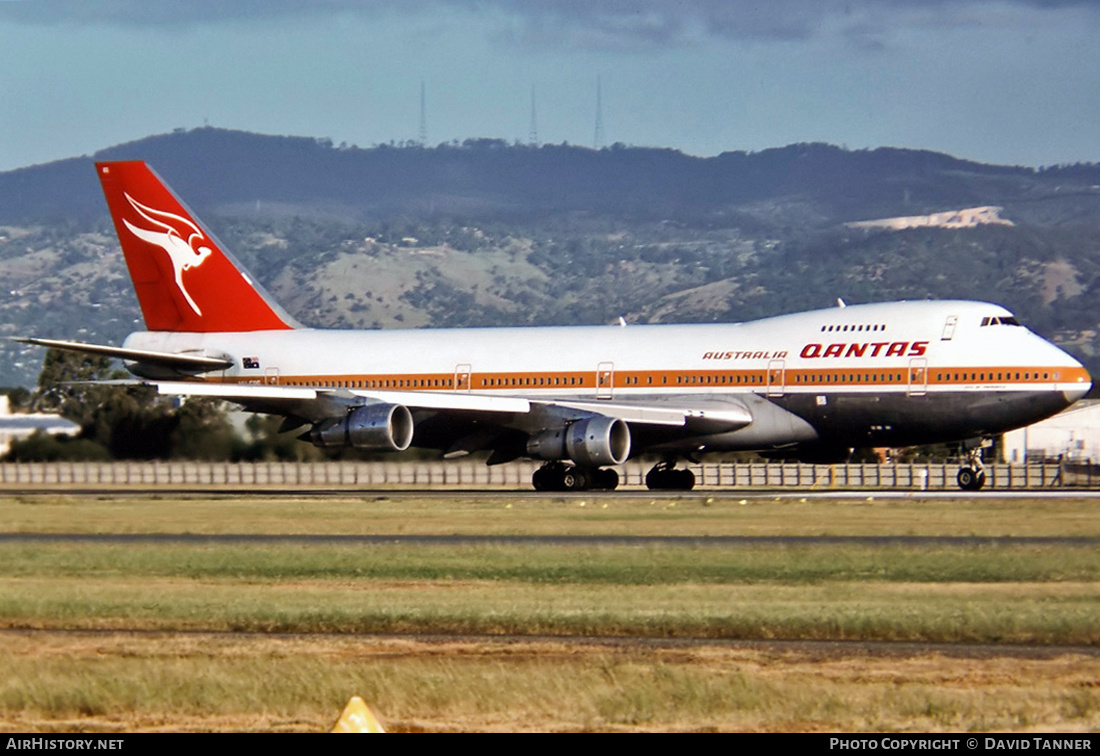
(1005, 81)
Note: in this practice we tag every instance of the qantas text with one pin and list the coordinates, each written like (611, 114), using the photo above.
(871, 349)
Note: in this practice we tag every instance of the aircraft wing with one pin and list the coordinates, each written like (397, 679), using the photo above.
(315, 403)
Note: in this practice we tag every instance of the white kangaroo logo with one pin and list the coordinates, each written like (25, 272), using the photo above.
(183, 253)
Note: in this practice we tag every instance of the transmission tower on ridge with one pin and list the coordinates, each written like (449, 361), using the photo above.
(598, 141)
(533, 136)
(423, 116)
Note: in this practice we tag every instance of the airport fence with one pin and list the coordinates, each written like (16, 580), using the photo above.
(460, 474)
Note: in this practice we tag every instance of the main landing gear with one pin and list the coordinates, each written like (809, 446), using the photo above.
(554, 476)
(972, 477)
(665, 477)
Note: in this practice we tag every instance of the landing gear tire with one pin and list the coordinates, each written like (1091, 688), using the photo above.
(972, 477)
(970, 480)
(664, 477)
(605, 479)
(574, 479)
(557, 477)
(544, 479)
(685, 480)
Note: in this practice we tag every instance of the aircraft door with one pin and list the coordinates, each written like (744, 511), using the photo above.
(777, 376)
(271, 376)
(949, 328)
(462, 378)
(918, 376)
(605, 380)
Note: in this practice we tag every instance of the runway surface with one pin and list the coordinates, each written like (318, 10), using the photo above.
(525, 493)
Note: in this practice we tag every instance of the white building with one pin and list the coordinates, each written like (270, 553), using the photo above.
(17, 427)
(1073, 434)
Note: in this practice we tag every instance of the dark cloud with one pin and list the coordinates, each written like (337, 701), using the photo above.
(581, 24)
(645, 23)
(182, 13)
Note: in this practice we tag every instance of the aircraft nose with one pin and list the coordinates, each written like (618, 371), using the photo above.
(1083, 385)
(1076, 393)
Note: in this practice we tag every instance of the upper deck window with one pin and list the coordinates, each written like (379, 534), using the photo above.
(1003, 320)
(854, 327)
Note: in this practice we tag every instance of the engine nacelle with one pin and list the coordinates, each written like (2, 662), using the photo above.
(590, 442)
(378, 427)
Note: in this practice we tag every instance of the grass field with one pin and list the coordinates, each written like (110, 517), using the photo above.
(620, 514)
(276, 635)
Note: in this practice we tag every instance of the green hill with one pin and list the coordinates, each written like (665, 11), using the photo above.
(487, 233)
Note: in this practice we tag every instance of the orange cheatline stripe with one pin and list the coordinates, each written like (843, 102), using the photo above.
(791, 378)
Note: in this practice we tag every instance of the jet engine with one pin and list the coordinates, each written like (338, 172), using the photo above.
(378, 427)
(590, 442)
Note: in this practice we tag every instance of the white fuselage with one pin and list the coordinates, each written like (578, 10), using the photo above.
(921, 363)
(860, 348)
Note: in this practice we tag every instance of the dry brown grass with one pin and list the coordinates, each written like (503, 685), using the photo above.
(300, 683)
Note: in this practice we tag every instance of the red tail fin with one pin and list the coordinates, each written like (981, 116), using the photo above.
(184, 280)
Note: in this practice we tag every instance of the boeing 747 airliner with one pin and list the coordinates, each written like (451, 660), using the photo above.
(809, 386)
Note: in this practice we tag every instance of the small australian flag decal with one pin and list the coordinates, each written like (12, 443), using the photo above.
(251, 363)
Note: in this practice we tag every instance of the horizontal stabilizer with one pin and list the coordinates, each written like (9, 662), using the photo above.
(187, 362)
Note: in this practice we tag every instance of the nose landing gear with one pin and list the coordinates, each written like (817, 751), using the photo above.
(970, 480)
(972, 477)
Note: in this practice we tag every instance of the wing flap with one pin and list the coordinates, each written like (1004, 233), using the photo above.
(412, 399)
(235, 391)
(699, 416)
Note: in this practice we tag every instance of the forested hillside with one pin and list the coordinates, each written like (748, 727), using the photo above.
(488, 233)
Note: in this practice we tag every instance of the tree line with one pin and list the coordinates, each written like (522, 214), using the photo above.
(120, 421)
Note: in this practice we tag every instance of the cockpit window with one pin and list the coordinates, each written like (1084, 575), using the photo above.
(1005, 320)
